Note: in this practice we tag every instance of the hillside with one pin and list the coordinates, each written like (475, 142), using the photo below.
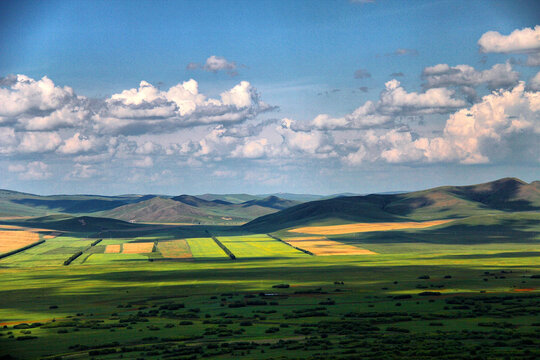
(13, 203)
(497, 197)
(157, 209)
(188, 209)
(273, 202)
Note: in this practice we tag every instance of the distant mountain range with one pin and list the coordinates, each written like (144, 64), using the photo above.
(270, 213)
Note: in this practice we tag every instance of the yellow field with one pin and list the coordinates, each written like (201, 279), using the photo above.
(177, 249)
(112, 249)
(15, 227)
(366, 227)
(12, 240)
(138, 248)
(325, 247)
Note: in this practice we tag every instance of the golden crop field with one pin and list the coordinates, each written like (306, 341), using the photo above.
(112, 249)
(366, 227)
(14, 239)
(178, 249)
(137, 248)
(325, 247)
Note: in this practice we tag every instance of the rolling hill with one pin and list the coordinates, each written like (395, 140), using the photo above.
(273, 202)
(193, 210)
(497, 197)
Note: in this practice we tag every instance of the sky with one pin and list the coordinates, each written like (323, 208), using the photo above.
(172, 97)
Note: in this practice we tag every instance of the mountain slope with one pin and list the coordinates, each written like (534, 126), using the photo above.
(157, 209)
(497, 197)
(273, 202)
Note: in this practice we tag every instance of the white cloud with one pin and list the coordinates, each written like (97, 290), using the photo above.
(33, 142)
(148, 148)
(519, 41)
(219, 63)
(534, 82)
(150, 110)
(144, 162)
(8, 140)
(82, 171)
(225, 173)
(251, 149)
(395, 100)
(215, 64)
(35, 170)
(24, 94)
(526, 40)
(442, 75)
(496, 127)
(78, 144)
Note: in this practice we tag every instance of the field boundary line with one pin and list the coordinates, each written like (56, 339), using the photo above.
(16, 251)
(80, 252)
(297, 248)
(223, 247)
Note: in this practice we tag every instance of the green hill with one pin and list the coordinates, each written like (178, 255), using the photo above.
(497, 197)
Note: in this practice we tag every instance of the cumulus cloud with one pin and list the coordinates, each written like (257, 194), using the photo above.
(534, 82)
(78, 144)
(251, 149)
(150, 110)
(35, 170)
(20, 94)
(525, 41)
(395, 100)
(519, 41)
(82, 171)
(503, 123)
(37, 142)
(145, 162)
(443, 75)
(215, 64)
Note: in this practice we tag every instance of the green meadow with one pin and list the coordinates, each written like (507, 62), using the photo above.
(412, 299)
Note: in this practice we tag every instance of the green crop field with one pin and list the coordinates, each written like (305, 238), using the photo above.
(205, 248)
(253, 246)
(174, 249)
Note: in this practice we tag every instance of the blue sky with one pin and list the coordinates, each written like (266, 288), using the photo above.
(297, 96)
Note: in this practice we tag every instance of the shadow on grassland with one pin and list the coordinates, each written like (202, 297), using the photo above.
(504, 230)
(517, 254)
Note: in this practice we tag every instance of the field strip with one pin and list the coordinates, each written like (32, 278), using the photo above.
(366, 227)
(297, 248)
(325, 247)
(175, 249)
(12, 240)
(138, 248)
(112, 249)
(223, 247)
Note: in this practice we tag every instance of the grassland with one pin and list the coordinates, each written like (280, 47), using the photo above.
(467, 289)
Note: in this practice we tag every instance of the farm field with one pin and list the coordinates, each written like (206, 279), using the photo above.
(13, 239)
(321, 246)
(175, 249)
(205, 248)
(253, 246)
(365, 227)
